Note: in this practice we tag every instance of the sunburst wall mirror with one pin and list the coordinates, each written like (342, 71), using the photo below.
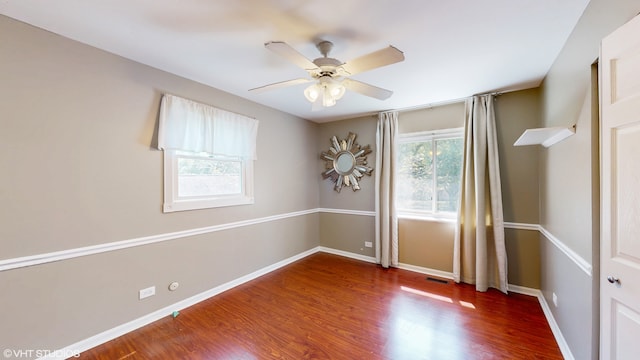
(346, 163)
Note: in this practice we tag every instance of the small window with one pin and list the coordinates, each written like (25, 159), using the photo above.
(208, 155)
(199, 180)
(429, 167)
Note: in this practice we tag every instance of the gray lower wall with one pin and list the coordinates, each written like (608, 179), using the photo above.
(348, 233)
(54, 305)
(429, 244)
(79, 169)
(572, 286)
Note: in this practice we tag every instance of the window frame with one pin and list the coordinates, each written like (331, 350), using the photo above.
(173, 202)
(424, 136)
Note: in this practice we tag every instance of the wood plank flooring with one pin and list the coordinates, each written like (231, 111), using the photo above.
(330, 307)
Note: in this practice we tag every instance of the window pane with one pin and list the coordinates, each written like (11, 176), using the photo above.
(415, 176)
(208, 177)
(448, 169)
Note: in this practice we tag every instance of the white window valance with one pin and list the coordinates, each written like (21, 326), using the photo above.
(191, 126)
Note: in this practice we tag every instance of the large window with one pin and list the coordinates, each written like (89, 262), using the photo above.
(429, 167)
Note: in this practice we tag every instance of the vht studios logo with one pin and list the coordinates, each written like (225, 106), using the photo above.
(39, 353)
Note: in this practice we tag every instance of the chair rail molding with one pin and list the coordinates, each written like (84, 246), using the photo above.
(30, 260)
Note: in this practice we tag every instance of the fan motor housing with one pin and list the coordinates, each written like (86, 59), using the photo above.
(327, 66)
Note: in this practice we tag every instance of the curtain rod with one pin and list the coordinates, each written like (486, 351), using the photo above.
(448, 102)
(445, 102)
(439, 103)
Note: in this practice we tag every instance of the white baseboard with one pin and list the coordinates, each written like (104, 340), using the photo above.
(120, 330)
(524, 290)
(351, 255)
(426, 271)
(555, 329)
(123, 329)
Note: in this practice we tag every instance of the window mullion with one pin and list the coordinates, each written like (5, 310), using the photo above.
(434, 161)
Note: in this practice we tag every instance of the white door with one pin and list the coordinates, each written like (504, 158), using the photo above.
(620, 194)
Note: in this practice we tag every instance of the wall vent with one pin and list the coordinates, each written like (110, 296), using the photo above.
(441, 281)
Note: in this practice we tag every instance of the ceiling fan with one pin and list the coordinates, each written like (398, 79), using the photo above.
(331, 75)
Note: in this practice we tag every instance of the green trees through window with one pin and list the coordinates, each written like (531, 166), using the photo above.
(428, 172)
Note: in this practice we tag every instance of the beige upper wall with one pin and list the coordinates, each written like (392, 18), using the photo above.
(429, 244)
(363, 199)
(77, 126)
(515, 112)
(432, 118)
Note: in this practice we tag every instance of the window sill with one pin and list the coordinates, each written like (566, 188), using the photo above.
(182, 205)
(427, 217)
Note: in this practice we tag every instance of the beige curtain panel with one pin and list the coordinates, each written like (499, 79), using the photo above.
(479, 251)
(386, 220)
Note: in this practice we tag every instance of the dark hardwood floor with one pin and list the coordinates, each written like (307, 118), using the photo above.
(330, 307)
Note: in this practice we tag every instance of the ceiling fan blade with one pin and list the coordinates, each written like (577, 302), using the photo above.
(366, 89)
(279, 85)
(376, 59)
(289, 53)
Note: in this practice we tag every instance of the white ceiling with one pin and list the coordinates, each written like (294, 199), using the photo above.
(453, 48)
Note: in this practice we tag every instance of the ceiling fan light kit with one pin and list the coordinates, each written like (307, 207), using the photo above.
(330, 75)
(327, 90)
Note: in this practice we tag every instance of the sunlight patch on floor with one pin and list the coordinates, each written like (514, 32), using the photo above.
(436, 297)
(467, 304)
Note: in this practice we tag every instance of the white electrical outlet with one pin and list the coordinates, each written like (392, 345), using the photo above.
(555, 299)
(368, 244)
(145, 293)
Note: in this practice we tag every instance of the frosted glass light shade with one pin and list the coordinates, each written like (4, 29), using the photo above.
(337, 91)
(312, 92)
(330, 90)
